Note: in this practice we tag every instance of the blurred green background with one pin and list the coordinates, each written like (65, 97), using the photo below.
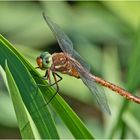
(106, 34)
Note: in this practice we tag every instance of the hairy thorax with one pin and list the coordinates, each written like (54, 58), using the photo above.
(63, 64)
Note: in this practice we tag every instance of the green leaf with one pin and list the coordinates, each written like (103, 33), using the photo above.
(29, 92)
(19, 107)
(71, 120)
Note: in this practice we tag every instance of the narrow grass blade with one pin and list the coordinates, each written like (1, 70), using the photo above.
(29, 91)
(20, 109)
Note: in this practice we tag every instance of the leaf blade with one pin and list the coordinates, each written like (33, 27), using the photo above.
(30, 94)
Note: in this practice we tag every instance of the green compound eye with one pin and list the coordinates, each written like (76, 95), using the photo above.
(46, 60)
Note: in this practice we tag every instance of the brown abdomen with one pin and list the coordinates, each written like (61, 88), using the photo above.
(62, 64)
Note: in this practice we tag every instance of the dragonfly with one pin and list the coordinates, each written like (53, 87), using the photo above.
(71, 63)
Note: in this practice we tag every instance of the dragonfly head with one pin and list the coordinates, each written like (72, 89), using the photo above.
(44, 61)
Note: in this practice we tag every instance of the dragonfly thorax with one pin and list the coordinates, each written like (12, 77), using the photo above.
(63, 63)
(44, 61)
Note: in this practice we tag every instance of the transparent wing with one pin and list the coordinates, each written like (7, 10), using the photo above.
(64, 42)
(95, 89)
(98, 92)
(77, 57)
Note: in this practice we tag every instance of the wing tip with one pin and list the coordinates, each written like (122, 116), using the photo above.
(106, 110)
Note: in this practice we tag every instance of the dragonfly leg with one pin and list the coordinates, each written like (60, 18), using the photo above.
(22, 129)
(36, 67)
(56, 83)
(46, 77)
